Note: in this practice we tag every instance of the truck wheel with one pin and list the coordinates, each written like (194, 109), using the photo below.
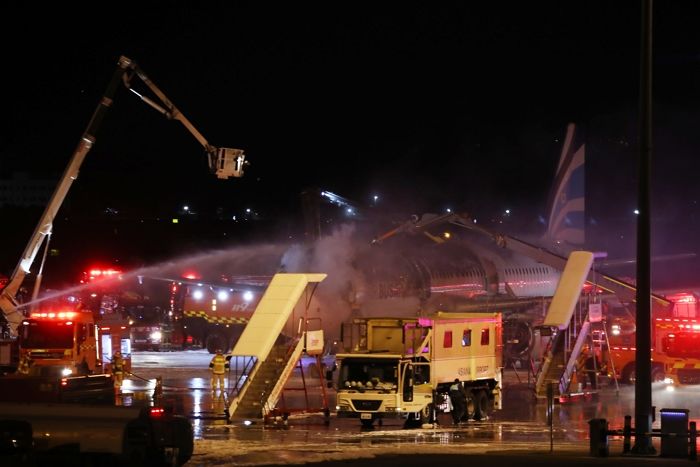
(427, 415)
(629, 376)
(481, 405)
(657, 374)
(470, 407)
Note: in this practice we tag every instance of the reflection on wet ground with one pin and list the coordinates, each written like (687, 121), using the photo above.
(520, 425)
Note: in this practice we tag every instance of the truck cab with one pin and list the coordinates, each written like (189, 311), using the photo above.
(59, 343)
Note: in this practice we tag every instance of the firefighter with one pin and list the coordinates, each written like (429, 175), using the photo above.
(458, 397)
(218, 367)
(118, 369)
(25, 365)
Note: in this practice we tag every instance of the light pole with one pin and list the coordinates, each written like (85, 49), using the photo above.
(642, 389)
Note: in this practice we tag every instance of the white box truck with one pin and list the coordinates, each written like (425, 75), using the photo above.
(403, 368)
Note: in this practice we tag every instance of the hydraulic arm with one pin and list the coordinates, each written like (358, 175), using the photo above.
(224, 162)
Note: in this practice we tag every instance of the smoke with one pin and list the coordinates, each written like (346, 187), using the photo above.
(335, 256)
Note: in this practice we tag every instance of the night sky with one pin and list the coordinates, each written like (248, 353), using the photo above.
(429, 105)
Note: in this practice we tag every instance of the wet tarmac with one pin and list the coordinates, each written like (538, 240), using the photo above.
(307, 436)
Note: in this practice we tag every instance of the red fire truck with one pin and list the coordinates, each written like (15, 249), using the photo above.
(674, 335)
(213, 316)
(681, 342)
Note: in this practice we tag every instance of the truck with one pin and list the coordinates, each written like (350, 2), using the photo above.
(674, 339)
(75, 427)
(402, 368)
(223, 162)
(214, 316)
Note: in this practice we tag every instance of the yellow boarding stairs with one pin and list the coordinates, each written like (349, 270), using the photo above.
(260, 365)
(570, 328)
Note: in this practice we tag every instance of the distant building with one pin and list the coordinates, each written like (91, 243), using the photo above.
(23, 191)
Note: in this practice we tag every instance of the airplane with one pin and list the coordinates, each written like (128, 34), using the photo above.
(419, 266)
(425, 265)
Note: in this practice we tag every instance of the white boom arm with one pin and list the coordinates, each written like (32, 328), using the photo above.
(224, 162)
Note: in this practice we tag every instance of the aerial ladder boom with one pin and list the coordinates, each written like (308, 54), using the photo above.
(224, 162)
(624, 291)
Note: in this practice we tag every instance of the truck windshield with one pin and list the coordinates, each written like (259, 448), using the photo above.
(47, 335)
(368, 374)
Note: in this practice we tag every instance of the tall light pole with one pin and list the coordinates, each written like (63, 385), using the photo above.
(642, 389)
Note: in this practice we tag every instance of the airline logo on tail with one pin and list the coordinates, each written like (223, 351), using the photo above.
(567, 208)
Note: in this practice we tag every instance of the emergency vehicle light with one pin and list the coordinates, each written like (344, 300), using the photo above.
(53, 315)
(101, 273)
(157, 412)
(682, 297)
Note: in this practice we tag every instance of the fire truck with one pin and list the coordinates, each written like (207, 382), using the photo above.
(223, 162)
(214, 316)
(101, 295)
(680, 342)
(71, 341)
(674, 333)
(130, 308)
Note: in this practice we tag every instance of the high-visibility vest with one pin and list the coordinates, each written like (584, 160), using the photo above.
(117, 364)
(218, 364)
(24, 365)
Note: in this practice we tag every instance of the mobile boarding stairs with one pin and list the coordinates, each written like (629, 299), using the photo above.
(262, 360)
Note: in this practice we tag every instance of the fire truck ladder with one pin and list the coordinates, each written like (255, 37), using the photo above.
(260, 366)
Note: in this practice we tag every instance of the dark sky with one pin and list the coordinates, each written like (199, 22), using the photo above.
(428, 104)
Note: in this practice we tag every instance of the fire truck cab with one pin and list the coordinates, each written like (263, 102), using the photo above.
(59, 343)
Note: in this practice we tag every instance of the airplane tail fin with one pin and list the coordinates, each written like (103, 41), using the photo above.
(567, 207)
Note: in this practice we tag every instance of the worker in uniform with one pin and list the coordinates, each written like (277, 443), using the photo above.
(458, 397)
(24, 365)
(118, 369)
(218, 367)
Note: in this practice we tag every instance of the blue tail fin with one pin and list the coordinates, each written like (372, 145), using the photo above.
(567, 205)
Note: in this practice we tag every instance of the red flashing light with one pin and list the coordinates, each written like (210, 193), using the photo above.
(157, 412)
(64, 382)
(54, 315)
(589, 288)
(95, 273)
(682, 297)
(191, 275)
